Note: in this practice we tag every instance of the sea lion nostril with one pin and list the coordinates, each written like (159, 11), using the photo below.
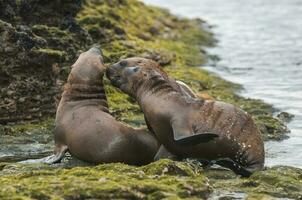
(108, 72)
(95, 50)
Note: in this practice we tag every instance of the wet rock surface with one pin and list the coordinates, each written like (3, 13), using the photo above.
(276, 182)
(285, 116)
(21, 142)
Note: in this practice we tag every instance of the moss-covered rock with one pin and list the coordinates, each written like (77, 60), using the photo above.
(34, 51)
(277, 182)
(162, 179)
(158, 180)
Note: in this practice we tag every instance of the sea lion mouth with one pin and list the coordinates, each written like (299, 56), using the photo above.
(113, 76)
(116, 81)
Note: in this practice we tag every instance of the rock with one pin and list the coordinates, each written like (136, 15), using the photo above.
(106, 181)
(26, 141)
(205, 96)
(28, 51)
(162, 57)
(161, 179)
(144, 36)
(271, 128)
(275, 182)
(285, 116)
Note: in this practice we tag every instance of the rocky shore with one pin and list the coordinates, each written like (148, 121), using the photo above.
(39, 42)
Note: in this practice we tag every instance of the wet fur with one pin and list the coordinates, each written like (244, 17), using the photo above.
(239, 146)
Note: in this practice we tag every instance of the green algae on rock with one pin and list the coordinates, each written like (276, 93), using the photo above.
(33, 49)
(275, 182)
(158, 180)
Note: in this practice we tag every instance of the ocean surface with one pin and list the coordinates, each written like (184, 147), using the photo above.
(260, 46)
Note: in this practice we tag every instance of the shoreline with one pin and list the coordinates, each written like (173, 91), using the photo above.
(122, 31)
(176, 43)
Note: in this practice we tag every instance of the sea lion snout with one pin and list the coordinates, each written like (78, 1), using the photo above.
(131, 73)
(95, 50)
(116, 69)
(88, 68)
(117, 75)
(113, 74)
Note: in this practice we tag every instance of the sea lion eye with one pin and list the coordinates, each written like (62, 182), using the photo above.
(135, 69)
(123, 63)
(131, 70)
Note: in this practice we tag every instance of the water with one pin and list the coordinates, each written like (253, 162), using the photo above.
(260, 46)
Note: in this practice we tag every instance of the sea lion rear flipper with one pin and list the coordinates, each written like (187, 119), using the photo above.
(234, 166)
(57, 156)
(186, 136)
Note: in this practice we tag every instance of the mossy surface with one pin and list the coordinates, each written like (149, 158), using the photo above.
(158, 180)
(277, 182)
(162, 179)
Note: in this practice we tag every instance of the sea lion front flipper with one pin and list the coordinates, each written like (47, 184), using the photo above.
(57, 156)
(195, 139)
(186, 136)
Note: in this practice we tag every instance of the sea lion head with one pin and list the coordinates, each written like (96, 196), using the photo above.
(132, 73)
(88, 69)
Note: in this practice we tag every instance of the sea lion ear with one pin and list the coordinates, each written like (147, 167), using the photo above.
(185, 89)
(185, 136)
(155, 73)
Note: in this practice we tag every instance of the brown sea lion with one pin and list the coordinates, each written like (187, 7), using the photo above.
(84, 127)
(189, 127)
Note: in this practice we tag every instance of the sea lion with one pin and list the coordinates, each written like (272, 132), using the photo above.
(188, 127)
(84, 127)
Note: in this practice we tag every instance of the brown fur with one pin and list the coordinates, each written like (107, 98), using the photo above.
(84, 127)
(169, 112)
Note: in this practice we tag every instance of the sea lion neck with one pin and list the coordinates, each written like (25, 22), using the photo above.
(93, 93)
(155, 86)
(161, 103)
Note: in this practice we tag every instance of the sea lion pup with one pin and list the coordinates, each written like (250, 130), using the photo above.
(84, 127)
(187, 127)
